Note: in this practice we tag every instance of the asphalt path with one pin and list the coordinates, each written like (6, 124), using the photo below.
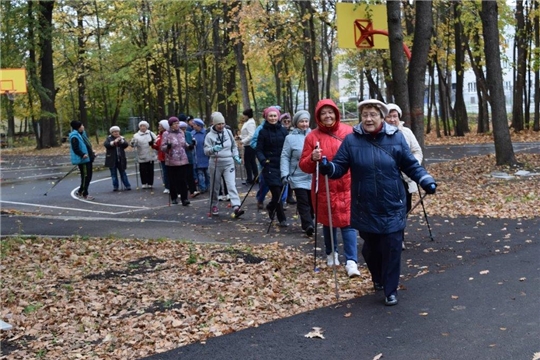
(477, 296)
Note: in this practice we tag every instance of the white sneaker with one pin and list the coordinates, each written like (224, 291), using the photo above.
(166, 191)
(331, 260)
(352, 269)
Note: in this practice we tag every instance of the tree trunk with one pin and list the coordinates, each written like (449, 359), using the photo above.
(238, 48)
(81, 66)
(47, 137)
(536, 125)
(417, 67)
(309, 45)
(460, 111)
(481, 87)
(520, 43)
(399, 70)
(504, 152)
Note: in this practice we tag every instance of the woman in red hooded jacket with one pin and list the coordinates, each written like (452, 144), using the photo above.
(325, 141)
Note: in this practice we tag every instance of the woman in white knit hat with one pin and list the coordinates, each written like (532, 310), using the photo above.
(143, 141)
(115, 159)
(221, 147)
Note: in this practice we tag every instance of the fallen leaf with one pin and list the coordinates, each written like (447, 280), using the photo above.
(522, 279)
(377, 357)
(315, 333)
(455, 297)
(484, 272)
(423, 314)
(347, 315)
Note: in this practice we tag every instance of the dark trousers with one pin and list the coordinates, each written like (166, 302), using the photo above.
(382, 253)
(147, 173)
(250, 163)
(190, 180)
(275, 206)
(86, 177)
(178, 181)
(304, 207)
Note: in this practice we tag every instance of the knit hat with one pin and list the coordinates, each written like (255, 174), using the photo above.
(198, 122)
(144, 123)
(113, 129)
(164, 124)
(182, 117)
(269, 109)
(284, 116)
(76, 124)
(183, 125)
(394, 107)
(172, 120)
(375, 103)
(302, 114)
(217, 118)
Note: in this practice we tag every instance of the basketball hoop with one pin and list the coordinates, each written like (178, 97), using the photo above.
(10, 95)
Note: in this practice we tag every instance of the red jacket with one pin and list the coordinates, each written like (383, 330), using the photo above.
(329, 140)
(157, 146)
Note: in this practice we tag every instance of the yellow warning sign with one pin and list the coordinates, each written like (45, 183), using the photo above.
(361, 25)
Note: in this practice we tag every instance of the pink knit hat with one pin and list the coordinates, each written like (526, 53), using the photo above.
(269, 109)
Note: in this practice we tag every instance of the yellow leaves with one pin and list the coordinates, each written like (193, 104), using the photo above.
(484, 272)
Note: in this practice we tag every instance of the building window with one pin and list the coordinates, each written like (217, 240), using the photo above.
(471, 86)
(473, 100)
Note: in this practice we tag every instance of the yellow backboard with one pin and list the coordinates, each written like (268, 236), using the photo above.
(355, 20)
(13, 81)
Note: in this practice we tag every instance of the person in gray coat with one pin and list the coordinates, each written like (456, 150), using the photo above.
(291, 173)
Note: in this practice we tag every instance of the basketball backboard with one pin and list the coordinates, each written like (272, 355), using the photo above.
(13, 81)
(356, 21)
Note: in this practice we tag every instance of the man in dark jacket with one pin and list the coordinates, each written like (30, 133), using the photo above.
(375, 153)
(82, 155)
(116, 159)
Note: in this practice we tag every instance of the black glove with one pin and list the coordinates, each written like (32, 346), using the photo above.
(430, 188)
(285, 180)
(326, 169)
(169, 146)
(151, 142)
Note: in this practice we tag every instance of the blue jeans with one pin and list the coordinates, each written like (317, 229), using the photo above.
(263, 189)
(203, 178)
(123, 176)
(350, 244)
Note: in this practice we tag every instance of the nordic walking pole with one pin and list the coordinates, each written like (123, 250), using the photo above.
(324, 161)
(315, 268)
(212, 186)
(425, 216)
(249, 190)
(417, 203)
(275, 209)
(136, 168)
(63, 177)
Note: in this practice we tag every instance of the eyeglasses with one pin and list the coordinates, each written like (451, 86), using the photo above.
(371, 115)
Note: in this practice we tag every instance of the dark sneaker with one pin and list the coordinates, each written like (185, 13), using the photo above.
(377, 286)
(186, 202)
(238, 212)
(175, 201)
(391, 300)
(115, 189)
(309, 231)
(283, 223)
(88, 197)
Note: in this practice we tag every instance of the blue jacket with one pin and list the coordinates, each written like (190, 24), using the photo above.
(80, 146)
(378, 202)
(201, 159)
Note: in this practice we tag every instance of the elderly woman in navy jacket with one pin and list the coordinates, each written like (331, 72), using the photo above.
(375, 153)
(269, 145)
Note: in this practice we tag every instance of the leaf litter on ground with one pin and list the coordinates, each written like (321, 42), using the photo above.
(108, 298)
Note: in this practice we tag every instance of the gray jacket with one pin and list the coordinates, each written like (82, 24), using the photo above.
(290, 156)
